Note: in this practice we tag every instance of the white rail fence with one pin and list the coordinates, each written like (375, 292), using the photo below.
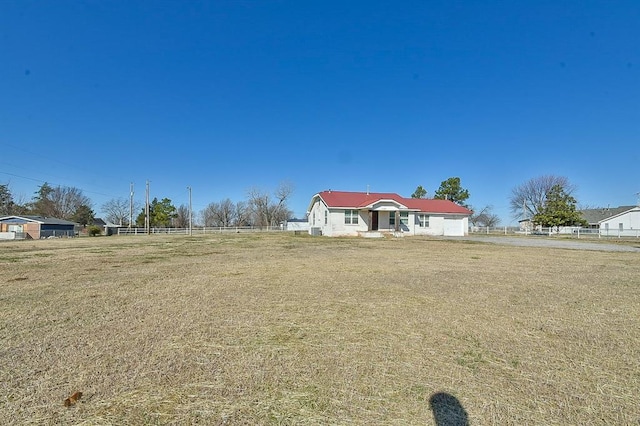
(200, 230)
(564, 231)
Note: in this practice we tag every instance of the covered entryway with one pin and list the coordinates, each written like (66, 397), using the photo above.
(374, 220)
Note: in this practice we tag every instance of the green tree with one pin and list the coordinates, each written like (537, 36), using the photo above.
(451, 190)
(83, 215)
(6, 200)
(559, 210)
(420, 192)
(528, 198)
(61, 201)
(160, 213)
(41, 203)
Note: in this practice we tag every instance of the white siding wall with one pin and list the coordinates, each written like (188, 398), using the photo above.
(630, 223)
(339, 228)
(452, 226)
(316, 217)
(436, 226)
(335, 225)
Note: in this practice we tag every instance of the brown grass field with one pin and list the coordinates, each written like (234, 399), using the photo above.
(266, 329)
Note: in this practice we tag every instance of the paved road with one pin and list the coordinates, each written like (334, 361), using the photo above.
(554, 243)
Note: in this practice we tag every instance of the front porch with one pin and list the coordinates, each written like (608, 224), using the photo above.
(386, 220)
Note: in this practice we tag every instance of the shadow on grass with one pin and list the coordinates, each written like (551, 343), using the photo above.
(447, 410)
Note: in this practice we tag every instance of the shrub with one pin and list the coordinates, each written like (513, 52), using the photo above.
(94, 230)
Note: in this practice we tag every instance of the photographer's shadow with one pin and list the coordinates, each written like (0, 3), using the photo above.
(447, 410)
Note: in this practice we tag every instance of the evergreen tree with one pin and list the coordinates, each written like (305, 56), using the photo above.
(83, 215)
(420, 192)
(160, 213)
(451, 190)
(559, 210)
(6, 200)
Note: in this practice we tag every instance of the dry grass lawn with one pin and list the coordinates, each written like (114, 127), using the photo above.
(283, 329)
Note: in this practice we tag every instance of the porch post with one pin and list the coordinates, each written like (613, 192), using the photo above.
(397, 214)
(370, 220)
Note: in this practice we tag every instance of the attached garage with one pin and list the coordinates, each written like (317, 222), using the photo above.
(453, 227)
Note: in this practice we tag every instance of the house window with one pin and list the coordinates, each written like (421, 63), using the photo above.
(392, 219)
(621, 227)
(351, 217)
(326, 214)
(423, 220)
(404, 218)
(314, 218)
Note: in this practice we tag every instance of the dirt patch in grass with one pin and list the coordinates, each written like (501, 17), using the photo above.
(283, 329)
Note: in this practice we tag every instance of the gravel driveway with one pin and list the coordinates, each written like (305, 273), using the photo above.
(554, 243)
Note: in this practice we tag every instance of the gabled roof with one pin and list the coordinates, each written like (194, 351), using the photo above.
(362, 200)
(38, 219)
(356, 199)
(429, 205)
(594, 216)
(99, 222)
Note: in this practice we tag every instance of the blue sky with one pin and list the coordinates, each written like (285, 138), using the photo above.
(224, 96)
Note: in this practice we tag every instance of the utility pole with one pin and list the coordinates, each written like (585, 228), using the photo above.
(147, 222)
(190, 214)
(130, 204)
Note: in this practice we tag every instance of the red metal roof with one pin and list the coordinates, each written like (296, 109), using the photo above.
(356, 200)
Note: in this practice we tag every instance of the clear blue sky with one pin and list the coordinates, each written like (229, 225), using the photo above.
(223, 96)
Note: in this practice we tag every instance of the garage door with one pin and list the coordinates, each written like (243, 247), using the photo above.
(453, 228)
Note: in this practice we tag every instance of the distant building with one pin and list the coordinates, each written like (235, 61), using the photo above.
(35, 227)
(621, 221)
(298, 225)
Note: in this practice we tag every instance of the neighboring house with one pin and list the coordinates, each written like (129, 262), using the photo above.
(525, 225)
(619, 221)
(339, 213)
(107, 228)
(36, 227)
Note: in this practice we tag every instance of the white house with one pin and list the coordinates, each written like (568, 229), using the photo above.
(339, 213)
(623, 221)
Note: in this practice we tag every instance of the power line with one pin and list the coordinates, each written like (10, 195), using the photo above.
(55, 184)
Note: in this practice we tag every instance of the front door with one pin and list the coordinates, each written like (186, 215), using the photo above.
(374, 220)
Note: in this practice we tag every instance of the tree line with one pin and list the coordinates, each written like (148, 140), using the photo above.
(261, 208)
(547, 201)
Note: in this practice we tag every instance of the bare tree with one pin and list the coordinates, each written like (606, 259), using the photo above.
(62, 201)
(182, 217)
(118, 210)
(225, 213)
(485, 217)
(267, 210)
(208, 214)
(242, 214)
(528, 199)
